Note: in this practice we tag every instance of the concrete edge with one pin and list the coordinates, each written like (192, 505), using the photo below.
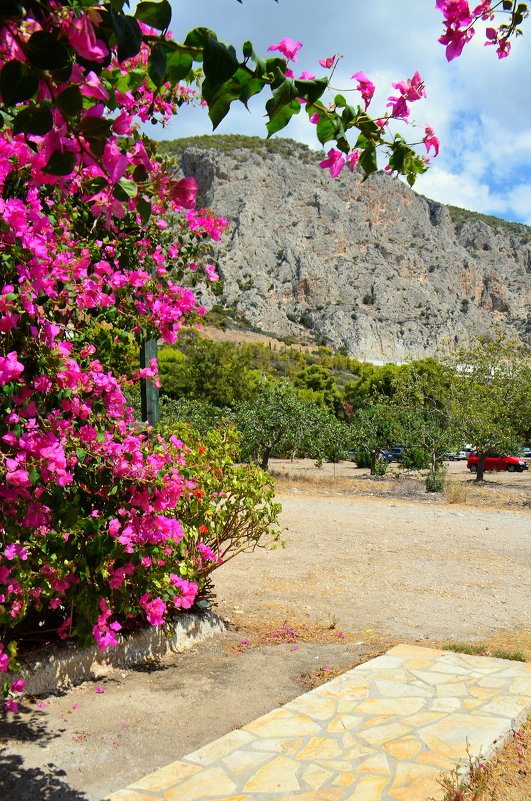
(61, 668)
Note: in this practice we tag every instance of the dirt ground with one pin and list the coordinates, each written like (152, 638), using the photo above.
(368, 563)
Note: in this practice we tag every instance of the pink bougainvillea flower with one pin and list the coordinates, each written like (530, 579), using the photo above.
(430, 140)
(74, 706)
(18, 685)
(335, 162)
(99, 690)
(327, 62)
(10, 367)
(306, 76)
(288, 48)
(365, 86)
(82, 37)
(353, 159)
(315, 118)
(184, 193)
(11, 706)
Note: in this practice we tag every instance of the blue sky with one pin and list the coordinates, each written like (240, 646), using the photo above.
(479, 106)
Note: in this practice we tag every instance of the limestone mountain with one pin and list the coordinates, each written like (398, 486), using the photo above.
(370, 267)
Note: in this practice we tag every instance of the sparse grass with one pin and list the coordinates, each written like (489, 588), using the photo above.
(505, 778)
(483, 650)
(456, 491)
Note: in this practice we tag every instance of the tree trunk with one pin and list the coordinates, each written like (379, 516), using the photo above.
(480, 466)
(265, 457)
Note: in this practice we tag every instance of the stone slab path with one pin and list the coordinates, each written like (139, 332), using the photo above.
(383, 731)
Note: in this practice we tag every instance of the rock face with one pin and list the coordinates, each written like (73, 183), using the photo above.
(370, 267)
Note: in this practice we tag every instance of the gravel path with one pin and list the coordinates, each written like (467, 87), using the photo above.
(411, 570)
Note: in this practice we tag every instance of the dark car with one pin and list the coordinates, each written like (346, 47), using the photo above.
(498, 461)
(396, 454)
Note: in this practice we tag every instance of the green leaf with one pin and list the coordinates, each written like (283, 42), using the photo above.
(368, 160)
(311, 90)
(70, 101)
(34, 475)
(325, 130)
(95, 127)
(44, 52)
(157, 64)
(33, 120)
(125, 189)
(340, 101)
(81, 453)
(60, 163)
(128, 35)
(157, 15)
(178, 65)
(219, 61)
(17, 83)
(282, 117)
(143, 207)
(198, 37)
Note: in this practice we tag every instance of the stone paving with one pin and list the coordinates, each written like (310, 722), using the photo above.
(384, 731)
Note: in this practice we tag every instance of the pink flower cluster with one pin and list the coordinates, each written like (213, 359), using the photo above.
(87, 495)
(459, 21)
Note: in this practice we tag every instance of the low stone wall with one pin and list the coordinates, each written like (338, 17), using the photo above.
(59, 668)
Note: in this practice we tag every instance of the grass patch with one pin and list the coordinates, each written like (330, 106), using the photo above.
(482, 650)
(456, 491)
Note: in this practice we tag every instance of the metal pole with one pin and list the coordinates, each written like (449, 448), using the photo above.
(149, 394)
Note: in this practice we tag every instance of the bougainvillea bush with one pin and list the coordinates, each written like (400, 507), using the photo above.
(97, 236)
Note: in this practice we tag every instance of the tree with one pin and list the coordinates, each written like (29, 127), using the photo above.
(374, 427)
(280, 422)
(490, 394)
(317, 384)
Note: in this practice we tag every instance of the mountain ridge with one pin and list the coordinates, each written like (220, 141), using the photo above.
(369, 268)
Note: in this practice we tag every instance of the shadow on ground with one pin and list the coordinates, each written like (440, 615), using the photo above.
(18, 783)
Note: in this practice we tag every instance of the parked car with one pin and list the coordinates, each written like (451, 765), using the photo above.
(396, 454)
(526, 452)
(458, 456)
(497, 461)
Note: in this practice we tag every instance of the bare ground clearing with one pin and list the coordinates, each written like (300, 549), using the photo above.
(368, 563)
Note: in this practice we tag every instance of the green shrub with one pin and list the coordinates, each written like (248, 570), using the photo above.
(380, 468)
(362, 459)
(416, 458)
(435, 481)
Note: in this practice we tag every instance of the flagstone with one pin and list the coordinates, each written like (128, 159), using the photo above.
(213, 782)
(414, 782)
(242, 761)
(330, 794)
(459, 729)
(494, 682)
(280, 722)
(343, 723)
(507, 705)
(345, 779)
(458, 689)
(166, 776)
(368, 788)
(282, 745)
(521, 686)
(220, 747)
(320, 748)
(316, 776)
(313, 706)
(280, 774)
(391, 689)
(482, 692)
(375, 764)
(446, 704)
(381, 734)
(391, 706)
(403, 749)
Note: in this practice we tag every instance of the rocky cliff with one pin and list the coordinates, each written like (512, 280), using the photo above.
(371, 267)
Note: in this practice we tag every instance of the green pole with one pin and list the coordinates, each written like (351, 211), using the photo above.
(149, 394)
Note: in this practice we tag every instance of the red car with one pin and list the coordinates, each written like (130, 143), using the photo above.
(496, 461)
